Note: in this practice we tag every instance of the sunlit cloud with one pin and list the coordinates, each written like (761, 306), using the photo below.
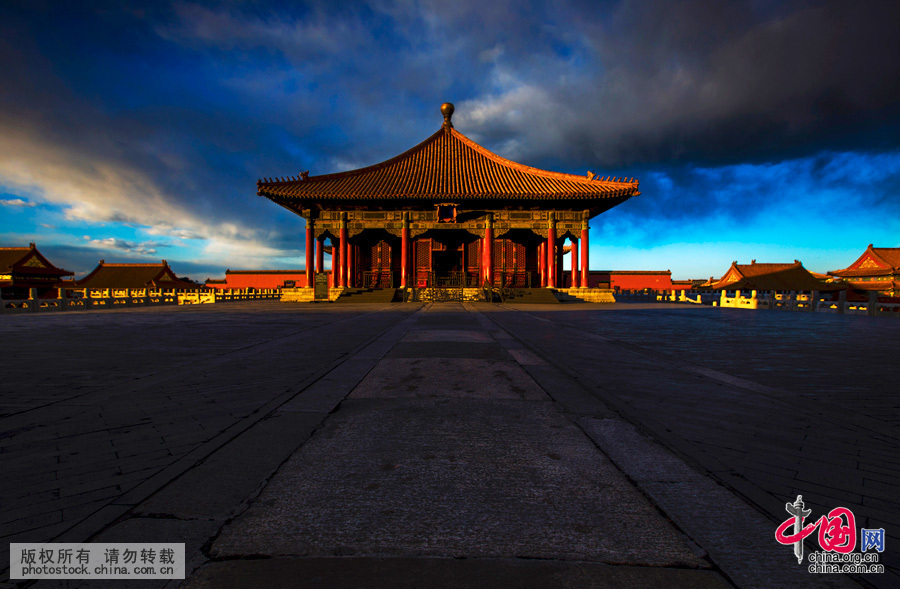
(145, 248)
(17, 202)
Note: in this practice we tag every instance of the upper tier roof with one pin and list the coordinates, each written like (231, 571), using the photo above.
(448, 166)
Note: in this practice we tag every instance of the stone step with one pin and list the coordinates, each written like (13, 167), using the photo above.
(368, 295)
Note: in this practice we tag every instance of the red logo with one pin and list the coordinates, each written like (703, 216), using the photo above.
(837, 531)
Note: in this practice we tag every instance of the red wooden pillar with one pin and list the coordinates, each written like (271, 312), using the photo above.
(488, 251)
(574, 263)
(335, 262)
(310, 253)
(584, 251)
(404, 252)
(551, 253)
(343, 249)
(542, 263)
(320, 254)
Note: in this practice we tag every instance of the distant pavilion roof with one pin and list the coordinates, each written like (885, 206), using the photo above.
(27, 260)
(447, 166)
(875, 261)
(133, 276)
(765, 276)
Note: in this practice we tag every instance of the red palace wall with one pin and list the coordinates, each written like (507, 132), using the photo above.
(632, 280)
(261, 279)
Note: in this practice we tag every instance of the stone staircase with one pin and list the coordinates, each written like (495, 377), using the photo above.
(529, 295)
(461, 294)
(584, 295)
(297, 295)
(368, 295)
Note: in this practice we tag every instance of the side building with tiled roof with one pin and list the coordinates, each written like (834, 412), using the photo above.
(448, 212)
(877, 269)
(24, 268)
(134, 276)
(770, 277)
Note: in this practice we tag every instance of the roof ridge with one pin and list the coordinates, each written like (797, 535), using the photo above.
(160, 264)
(529, 169)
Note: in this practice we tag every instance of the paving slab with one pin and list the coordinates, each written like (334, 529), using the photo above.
(452, 444)
(436, 456)
(448, 377)
(453, 477)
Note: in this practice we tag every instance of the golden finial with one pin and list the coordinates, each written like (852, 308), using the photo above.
(447, 110)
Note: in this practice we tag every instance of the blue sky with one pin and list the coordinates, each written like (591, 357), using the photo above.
(758, 130)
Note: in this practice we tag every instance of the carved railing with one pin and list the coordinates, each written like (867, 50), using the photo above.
(92, 299)
(808, 301)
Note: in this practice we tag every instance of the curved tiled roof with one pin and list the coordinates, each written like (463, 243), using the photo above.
(10, 256)
(763, 276)
(887, 261)
(448, 165)
(17, 257)
(133, 276)
(856, 272)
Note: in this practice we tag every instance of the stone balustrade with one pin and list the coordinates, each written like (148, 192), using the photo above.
(822, 302)
(93, 299)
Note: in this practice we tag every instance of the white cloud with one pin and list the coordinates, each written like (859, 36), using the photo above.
(142, 248)
(17, 202)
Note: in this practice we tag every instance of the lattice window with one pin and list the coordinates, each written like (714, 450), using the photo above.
(381, 256)
(520, 256)
(472, 251)
(498, 253)
(385, 255)
(510, 254)
(423, 254)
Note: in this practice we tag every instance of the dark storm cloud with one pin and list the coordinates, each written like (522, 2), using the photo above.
(710, 82)
(165, 114)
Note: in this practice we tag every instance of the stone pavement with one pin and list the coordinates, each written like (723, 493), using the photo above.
(447, 444)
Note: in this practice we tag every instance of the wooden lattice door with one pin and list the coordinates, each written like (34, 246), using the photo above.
(422, 270)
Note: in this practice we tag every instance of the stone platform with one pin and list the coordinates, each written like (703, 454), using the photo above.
(450, 445)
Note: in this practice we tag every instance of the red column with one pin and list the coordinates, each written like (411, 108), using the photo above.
(489, 251)
(404, 252)
(335, 262)
(584, 254)
(542, 263)
(551, 254)
(574, 263)
(310, 253)
(343, 252)
(320, 254)
(483, 259)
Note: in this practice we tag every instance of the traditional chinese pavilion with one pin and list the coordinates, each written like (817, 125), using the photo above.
(877, 269)
(24, 268)
(134, 276)
(770, 277)
(448, 213)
